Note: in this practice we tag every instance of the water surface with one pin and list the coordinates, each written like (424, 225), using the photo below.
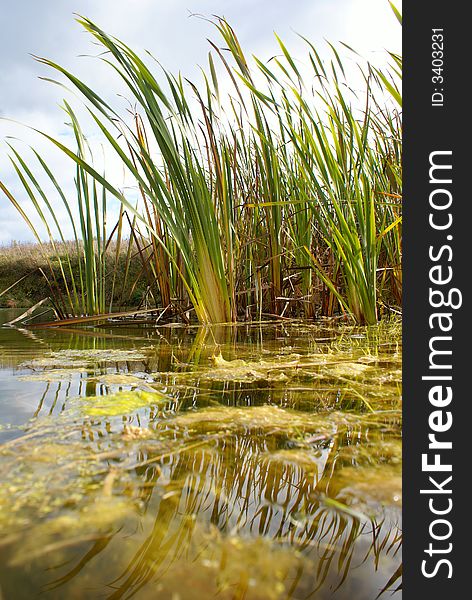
(255, 462)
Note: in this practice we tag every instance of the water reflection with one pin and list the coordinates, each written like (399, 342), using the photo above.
(219, 500)
(198, 498)
(245, 494)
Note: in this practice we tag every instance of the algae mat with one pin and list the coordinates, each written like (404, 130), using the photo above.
(147, 471)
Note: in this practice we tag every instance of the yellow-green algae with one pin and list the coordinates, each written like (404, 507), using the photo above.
(353, 378)
(178, 500)
(260, 469)
(120, 379)
(82, 358)
(121, 403)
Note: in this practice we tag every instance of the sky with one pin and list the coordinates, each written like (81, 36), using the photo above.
(172, 33)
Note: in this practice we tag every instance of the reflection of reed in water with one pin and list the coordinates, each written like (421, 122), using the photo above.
(248, 486)
(180, 363)
(245, 485)
(230, 501)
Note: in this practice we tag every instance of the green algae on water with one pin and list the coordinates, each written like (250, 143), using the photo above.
(121, 403)
(149, 481)
(82, 358)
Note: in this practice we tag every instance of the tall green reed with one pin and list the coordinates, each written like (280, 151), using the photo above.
(81, 287)
(347, 168)
(178, 189)
(280, 195)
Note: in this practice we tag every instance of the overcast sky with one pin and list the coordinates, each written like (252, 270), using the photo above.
(179, 41)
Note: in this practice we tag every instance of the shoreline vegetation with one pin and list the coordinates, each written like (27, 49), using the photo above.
(26, 264)
(281, 196)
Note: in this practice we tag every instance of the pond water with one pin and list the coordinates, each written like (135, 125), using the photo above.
(247, 462)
